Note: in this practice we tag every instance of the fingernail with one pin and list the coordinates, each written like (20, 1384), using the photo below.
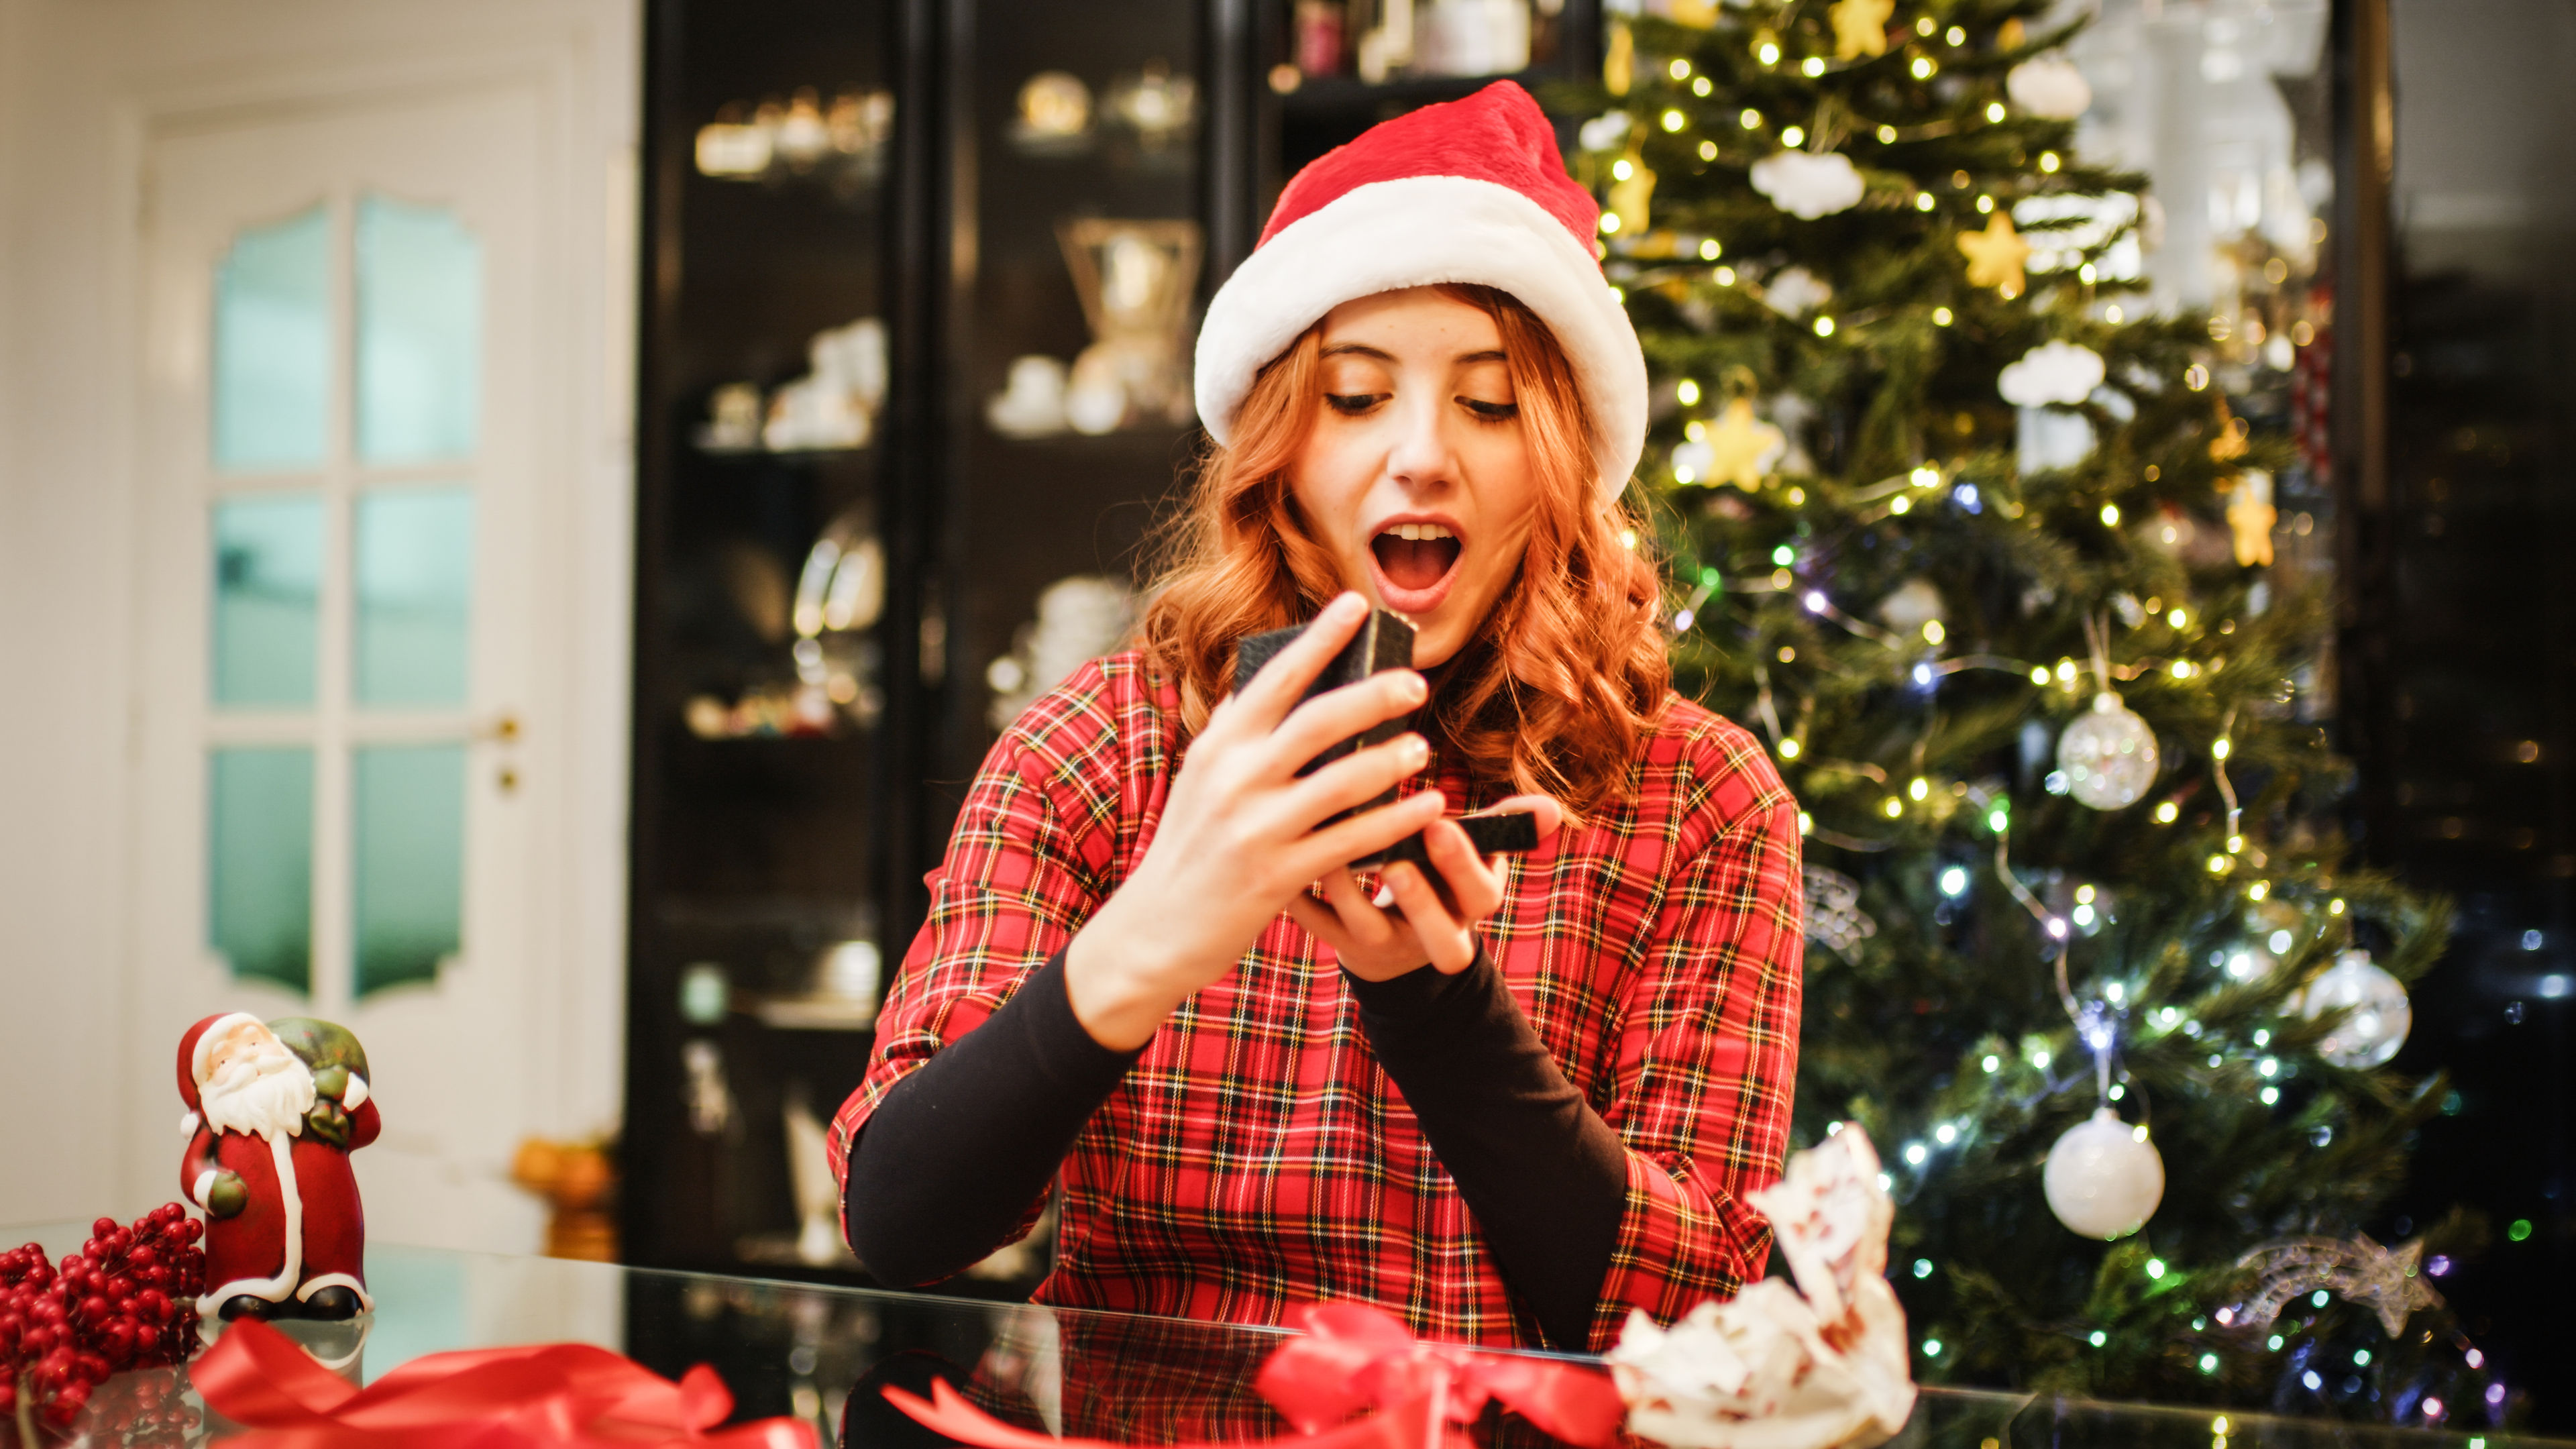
(1384, 898)
(1416, 688)
(1417, 749)
(1348, 604)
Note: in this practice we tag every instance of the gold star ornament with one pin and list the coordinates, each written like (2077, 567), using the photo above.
(1741, 447)
(1860, 27)
(1996, 256)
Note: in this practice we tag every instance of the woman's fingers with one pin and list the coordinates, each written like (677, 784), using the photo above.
(1337, 715)
(1550, 814)
(1273, 692)
(1473, 885)
(1357, 778)
(1367, 927)
(1323, 924)
(1363, 835)
(1451, 948)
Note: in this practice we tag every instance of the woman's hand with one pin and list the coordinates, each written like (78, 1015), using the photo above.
(1238, 840)
(1428, 924)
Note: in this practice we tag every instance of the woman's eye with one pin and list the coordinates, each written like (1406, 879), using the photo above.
(1492, 412)
(1354, 404)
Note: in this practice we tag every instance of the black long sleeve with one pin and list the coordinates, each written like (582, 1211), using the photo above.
(1546, 1178)
(954, 1155)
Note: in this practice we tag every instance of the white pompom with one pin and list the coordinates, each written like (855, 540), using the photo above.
(2381, 1014)
(2056, 372)
(2050, 88)
(1806, 185)
(2104, 1178)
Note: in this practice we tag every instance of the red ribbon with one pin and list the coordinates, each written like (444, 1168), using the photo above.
(1351, 1358)
(560, 1394)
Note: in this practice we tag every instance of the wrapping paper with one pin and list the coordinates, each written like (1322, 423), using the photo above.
(1822, 1365)
(1352, 1359)
(564, 1394)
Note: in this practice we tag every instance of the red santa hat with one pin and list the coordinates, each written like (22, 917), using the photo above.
(1464, 191)
(197, 1046)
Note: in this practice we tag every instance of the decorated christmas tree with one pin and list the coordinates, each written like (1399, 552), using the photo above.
(1972, 542)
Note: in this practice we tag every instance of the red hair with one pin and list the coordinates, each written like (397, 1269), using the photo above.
(1559, 682)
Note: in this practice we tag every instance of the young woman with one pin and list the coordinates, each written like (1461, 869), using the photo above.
(1510, 1102)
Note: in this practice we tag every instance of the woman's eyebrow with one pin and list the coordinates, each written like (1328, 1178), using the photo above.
(1356, 349)
(1490, 354)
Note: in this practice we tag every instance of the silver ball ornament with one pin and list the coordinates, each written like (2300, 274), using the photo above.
(2104, 1178)
(2108, 754)
(2380, 1015)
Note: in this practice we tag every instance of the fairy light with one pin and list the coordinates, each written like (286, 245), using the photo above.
(1609, 224)
(2179, 617)
(1710, 251)
(1923, 202)
(1793, 137)
(1620, 170)
(2257, 891)
(1895, 807)
(1994, 110)
(1681, 70)
(2110, 515)
(1900, 504)
(1915, 1153)
(2182, 669)
(2335, 907)
(1919, 789)
(2219, 747)
(2039, 674)
(1708, 150)
(1726, 276)
(1923, 67)
(1686, 392)
(1789, 748)
(2097, 1338)
(1768, 52)
(2112, 314)
(1824, 327)
(1957, 35)
(1701, 86)
(1751, 119)
(1922, 1267)
(1812, 67)
(1628, 538)
(1933, 633)
(1806, 823)
(2156, 1269)
(2168, 813)
(1992, 1064)
(1985, 205)
(1674, 120)
(1887, 135)
(1926, 25)
(2048, 162)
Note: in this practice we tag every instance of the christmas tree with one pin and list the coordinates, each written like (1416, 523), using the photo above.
(1975, 546)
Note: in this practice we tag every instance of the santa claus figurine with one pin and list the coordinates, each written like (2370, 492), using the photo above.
(274, 1110)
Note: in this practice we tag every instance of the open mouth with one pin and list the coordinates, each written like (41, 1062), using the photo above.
(1414, 563)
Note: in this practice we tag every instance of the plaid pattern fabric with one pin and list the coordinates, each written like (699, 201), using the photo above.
(1256, 1157)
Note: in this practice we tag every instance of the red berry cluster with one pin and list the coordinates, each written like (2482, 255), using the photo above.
(126, 1300)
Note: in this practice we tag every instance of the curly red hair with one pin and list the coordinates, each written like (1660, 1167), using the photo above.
(1553, 692)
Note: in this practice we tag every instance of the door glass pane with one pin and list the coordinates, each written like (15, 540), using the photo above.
(415, 580)
(268, 587)
(259, 852)
(272, 368)
(420, 333)
(410, 875)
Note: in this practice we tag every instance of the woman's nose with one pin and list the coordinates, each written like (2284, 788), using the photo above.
(1422, 455)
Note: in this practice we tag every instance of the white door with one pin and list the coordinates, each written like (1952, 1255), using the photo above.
(350, 661)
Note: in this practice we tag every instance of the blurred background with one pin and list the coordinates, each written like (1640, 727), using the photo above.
(518, 519)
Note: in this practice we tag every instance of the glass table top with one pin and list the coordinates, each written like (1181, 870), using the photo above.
(823, 1353)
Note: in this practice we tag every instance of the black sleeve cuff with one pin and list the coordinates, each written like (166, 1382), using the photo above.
(952, 1157)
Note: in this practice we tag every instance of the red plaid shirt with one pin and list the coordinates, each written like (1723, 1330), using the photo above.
(1256, 1157)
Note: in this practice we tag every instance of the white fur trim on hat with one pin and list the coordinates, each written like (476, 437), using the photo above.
(221, 1026)
(1418, 231)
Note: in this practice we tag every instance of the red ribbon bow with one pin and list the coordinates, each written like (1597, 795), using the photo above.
(1354, 1357)
(559, 1394)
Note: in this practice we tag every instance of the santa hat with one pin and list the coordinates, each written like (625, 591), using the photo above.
(198, 1045)
(1464, 191)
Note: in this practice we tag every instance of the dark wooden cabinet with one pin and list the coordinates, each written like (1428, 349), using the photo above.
(845, 547)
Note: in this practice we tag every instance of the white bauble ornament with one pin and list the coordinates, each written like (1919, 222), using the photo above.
(2104, 1178)
(2381, 1015)
(2108, 754)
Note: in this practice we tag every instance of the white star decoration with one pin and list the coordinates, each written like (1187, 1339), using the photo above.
(2390, 1283)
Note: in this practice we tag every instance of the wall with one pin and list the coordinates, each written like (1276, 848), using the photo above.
(78, 81)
